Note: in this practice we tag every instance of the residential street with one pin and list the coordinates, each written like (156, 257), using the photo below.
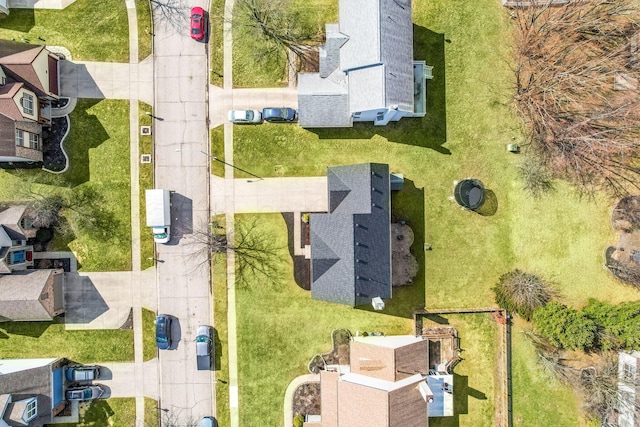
(184, 284)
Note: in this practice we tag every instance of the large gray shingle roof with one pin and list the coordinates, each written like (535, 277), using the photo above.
(350, 245)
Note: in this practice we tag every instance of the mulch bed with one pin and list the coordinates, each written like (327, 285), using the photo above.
(623, 259)
(53, 157)
(44, 263)
(306, 399)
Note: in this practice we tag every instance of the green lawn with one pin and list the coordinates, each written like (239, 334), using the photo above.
(216, 45)
(145, 39)
(97, 183)
(149, 350)
(217, 150)
(250, 52)
(98, 147)
(91, 30)
(106, 413)
(147, 246)
(560, 236)
(271, 354)
(150, 412)
(473, 382)
(50, 339)
(560, 407)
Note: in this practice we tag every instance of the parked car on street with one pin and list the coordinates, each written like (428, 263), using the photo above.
(208, 422)
(279, 114)
(245, 116)
(163, 331)
(80, 373)
(198, 23)
(88, 392)
(204, 346)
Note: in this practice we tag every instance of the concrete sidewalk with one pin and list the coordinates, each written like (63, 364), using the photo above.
(39, 4)
(270, 195)
(223, 100)
(107, 80)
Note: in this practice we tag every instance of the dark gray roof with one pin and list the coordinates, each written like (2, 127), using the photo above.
(26, 384)
(350, 245)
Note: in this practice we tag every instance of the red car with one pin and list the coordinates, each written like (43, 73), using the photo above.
(198, 23)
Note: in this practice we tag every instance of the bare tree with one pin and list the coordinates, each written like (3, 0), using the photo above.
(577, 77)
(523, 292)
(598, 384)
(172, 13)
(256, 251)
(277, 24)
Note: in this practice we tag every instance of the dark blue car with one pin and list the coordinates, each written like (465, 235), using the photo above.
(279, 114)
(163, 332)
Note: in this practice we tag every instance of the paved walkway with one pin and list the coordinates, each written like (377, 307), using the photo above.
(270, 195)
(39, 4)
(111, 80)
(232, 338)
(223, 100)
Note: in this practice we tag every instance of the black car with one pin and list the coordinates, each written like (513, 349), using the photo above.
(163, 331)
(279, 114)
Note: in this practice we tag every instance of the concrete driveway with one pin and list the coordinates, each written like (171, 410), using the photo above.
(271, 195)
(104, 300)
(107, 80)
(221, 101)
(121, 378)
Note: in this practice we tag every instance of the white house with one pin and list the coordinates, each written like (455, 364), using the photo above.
(367, 72)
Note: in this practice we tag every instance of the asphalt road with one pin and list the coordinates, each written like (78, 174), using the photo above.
(184, 285)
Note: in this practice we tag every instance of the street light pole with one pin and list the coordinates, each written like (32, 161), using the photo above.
(229, 164)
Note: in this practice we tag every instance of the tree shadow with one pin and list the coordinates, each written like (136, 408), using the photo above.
(408, 205)
(27, 329)
(181, 217)
(22, 20)
(85, 132)
(217, 350)
(99, 413)
(429, 131)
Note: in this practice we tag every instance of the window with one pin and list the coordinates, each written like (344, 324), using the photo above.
(19, 137)
(31, 411)
(34, 141)
(27, 103)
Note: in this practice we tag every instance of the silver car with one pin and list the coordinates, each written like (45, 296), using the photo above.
(245, 116)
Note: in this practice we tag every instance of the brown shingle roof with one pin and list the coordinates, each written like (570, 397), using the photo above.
(381, 389)
(23, 296)
(17, 59)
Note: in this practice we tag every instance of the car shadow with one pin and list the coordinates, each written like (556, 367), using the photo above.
(181, 217)
(176, 333)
